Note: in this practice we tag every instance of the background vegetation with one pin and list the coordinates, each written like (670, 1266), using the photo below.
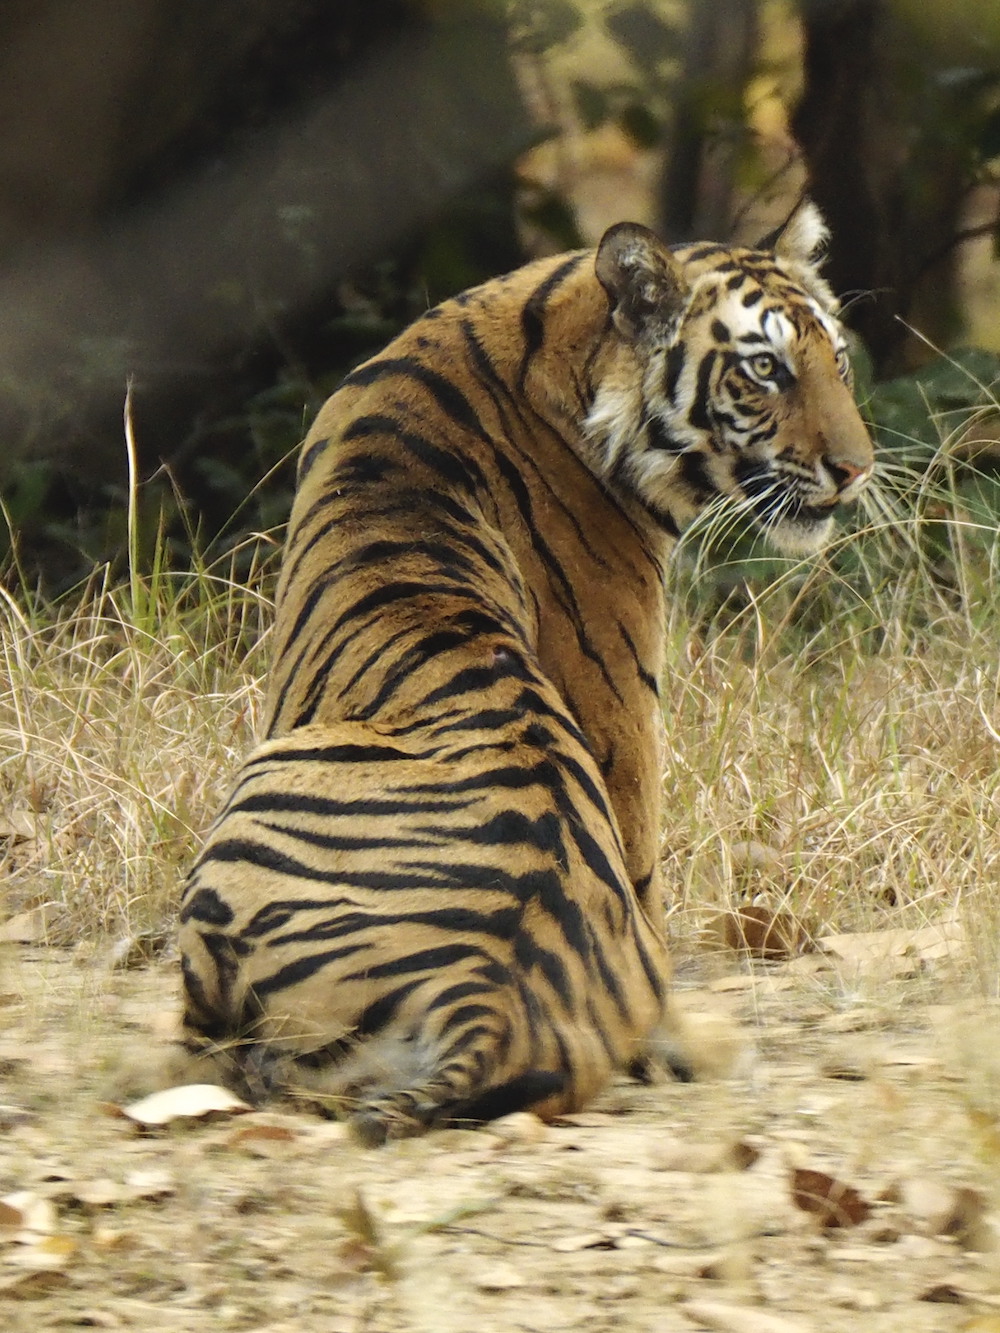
(251, 198)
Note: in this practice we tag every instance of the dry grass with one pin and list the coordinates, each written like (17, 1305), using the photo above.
(832, 744)
(123, 711)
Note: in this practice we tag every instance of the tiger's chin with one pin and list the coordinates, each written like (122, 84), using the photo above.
(800, 534)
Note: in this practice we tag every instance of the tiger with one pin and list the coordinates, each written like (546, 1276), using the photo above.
(433, 896)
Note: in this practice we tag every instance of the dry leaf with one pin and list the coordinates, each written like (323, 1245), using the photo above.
(764, 933)
(274, 1133)
(364, 1249)
(92, 1318)
(32, 1284)
(943, 1293)
(262, 1140)
(832, 1202)
(356, 1256)
(32, 927)
(38, 1215)
(46, 1253)
(740, 1318)
(941, 1209)
(149, 1183)
(743, 1155)
(190, 1101)
(498, 1277)
(899, 951)
(99, 1193)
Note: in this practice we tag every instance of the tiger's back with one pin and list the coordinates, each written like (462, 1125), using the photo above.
(437, 491)
(434, 892)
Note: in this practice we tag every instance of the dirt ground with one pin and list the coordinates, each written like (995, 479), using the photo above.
(661, 1208)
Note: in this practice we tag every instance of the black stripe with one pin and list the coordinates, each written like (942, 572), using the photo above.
(462, 990)
(302, 969)
(646, 676)
(206, 905)
(265, 857)
(279, 912)
(530, 954)
(460, 471)
(500, 924)
(447, 395)
(435, 959)
(673, 368)
(310, 452)
(695, 474)
(382, 1011)
(699, 415)
(533, 313)
(517, 1094)
(658, 437)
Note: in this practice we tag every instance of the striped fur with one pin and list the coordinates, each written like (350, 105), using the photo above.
(434, 895)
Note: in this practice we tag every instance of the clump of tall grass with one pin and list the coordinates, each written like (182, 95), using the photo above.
(833, 725)
(124, 707)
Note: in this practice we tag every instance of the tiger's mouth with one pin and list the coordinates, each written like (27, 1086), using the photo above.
(793, 522)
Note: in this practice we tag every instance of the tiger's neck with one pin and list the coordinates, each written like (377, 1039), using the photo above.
(454, 487)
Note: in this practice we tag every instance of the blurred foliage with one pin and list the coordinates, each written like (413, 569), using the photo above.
(232, 436)
(233, 474)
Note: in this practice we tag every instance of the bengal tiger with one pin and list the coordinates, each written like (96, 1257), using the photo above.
(433, 895)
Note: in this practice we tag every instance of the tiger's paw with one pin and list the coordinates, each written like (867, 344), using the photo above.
(693, 1045)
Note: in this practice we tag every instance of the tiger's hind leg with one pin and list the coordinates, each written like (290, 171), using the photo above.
(404, 1114)
(402, 1086)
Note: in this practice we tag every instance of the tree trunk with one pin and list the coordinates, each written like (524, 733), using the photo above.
(884, 172)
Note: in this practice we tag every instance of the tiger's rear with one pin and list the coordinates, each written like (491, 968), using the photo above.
(434, 894)
(414, 928)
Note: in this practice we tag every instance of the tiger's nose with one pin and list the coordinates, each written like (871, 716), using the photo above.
(845, 473)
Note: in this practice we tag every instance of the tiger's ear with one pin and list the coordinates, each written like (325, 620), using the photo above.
(644, 282)
(801, 238)
(799, 245)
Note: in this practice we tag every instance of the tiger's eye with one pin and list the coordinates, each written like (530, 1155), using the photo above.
(764, 365)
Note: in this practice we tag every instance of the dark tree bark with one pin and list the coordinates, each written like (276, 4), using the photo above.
(884, 172)
(703, 144)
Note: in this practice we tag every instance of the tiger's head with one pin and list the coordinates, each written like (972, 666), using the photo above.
(743, 387)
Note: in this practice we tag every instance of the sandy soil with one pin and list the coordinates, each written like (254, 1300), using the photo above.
(660, 1208)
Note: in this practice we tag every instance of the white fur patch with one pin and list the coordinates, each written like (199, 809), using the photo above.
(804, 236)
(614, 421)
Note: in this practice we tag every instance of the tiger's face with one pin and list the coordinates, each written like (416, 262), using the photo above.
(744, 385)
